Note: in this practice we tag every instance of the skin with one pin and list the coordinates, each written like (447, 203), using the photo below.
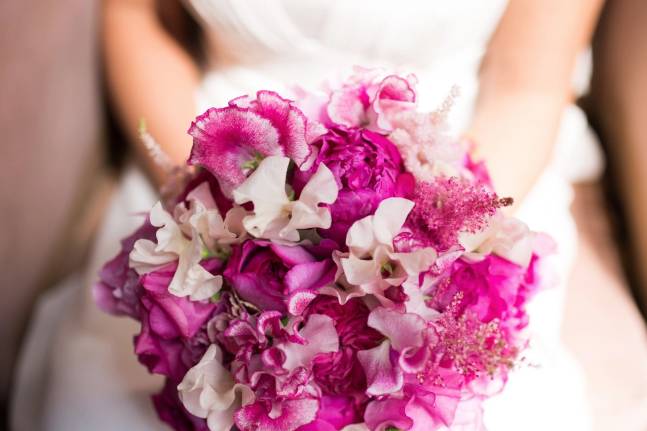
(525, 84)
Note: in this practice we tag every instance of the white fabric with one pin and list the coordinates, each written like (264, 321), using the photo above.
(78, 371)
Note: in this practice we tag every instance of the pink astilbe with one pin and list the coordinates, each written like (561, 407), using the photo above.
(446, 207)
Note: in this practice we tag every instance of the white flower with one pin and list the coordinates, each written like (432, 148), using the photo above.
(208, 391)
(371, 264)
(504, 236)
(186, 237)
(275, 216)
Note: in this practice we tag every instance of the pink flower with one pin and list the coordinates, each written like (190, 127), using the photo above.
(170, 410)
(173, 336)
(368, 169)
(287, 415)
(340, 373)
(118, 289)
(370, 99)
(230, 141)
(443, 209)
(278, 277)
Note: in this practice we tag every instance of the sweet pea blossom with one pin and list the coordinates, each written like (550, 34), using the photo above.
(506, 237)
(371, 266)
(196, 233)
(209, 391)
(371, 98)
(405, 350)
(275, 215)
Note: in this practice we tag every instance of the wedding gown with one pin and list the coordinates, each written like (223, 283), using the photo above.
(78, 372)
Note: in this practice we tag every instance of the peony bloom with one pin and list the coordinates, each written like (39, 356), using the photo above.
(278, 277)
(367, 168)
(229, 142)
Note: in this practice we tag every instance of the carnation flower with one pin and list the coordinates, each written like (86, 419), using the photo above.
(367, 168)
(229, 142)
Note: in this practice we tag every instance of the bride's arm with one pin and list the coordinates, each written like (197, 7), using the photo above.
(150, 76)
(525, 84)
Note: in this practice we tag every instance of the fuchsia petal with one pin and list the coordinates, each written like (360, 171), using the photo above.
(386, 413)
(289, 415)
(382, 376)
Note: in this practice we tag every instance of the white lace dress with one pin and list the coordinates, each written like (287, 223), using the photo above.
(78, 372)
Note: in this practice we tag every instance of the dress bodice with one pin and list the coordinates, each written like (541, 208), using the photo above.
(283, 42)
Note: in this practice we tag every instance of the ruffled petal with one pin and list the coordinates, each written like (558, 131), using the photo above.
(382, 377)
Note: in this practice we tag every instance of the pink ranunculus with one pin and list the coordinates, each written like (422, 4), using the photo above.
(173, 334)
(170, 410)
(230, 141)
(368, 169)
(278, 277)
(118, 289)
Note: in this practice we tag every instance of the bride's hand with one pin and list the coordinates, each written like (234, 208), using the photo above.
(525, 83)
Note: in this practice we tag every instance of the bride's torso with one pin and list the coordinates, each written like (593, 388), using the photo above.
(259, 43)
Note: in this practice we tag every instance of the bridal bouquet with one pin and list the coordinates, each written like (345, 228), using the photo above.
(333, 262)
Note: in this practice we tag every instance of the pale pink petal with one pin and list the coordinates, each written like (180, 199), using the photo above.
(346, 108)
(403, 329)
(321, 337)
(360, 238)
(265, 187)
(382, 376)
(389, 218)
(360, 271)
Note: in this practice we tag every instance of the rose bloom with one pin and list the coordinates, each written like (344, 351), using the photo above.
(268, 275)
(368, 169)
(173, 335)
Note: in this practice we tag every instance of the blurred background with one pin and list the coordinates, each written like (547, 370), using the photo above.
(61, 155)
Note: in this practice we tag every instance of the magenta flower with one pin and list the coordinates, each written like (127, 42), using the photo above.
(118, 289)
(368, 169)
(173, 337)
(230, 141)
(170, 410)
(444, 209)
(340, 373)
(278, 277)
